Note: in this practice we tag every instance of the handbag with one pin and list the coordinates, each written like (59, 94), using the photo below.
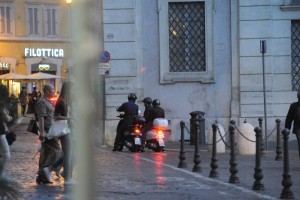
(58, 128)
(33, 127)
(11, 137)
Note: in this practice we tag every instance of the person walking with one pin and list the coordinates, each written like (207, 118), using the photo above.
(4, 118)
(62, 113)
(293, 117)
(50, 148)
(34, 99)
(23, 97)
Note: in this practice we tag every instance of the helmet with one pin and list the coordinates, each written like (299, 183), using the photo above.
(147, 100)
(155, 102)
(132, 97)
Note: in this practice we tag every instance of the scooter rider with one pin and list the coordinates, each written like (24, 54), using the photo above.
(130, 109)
(157, 111)
(148, 124)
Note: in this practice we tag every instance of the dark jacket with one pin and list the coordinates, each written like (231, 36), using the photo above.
(130, 109)
(157, 112)
(293, 116)
(147, 113)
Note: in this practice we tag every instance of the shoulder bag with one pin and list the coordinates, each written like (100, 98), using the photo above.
(58, 128)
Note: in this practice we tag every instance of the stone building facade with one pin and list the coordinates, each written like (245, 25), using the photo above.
(202, 55)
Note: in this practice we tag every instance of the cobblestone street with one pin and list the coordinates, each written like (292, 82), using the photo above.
(125, 175)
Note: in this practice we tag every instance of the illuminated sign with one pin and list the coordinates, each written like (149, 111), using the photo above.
(40, 52)
(44, 67)
(4, 65)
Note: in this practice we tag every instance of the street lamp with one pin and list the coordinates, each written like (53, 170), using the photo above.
(69, 1)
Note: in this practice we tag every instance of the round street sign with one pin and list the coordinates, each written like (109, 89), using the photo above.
(104, 56)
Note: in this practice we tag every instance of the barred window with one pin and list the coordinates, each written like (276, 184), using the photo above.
(187, 36)
(295, 54)
(186, 42)
(6, 19)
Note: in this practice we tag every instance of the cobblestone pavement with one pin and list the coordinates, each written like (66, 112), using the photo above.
(149, 175)
(23, 167)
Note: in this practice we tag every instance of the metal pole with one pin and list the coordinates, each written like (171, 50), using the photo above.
(263, 51)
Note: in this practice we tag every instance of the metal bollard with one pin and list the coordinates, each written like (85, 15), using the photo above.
(262, 152)
(182, 162)
(214, 164)
(197, 160)
(278, 144)
(233, 169)
(286, 192)
(258, 175)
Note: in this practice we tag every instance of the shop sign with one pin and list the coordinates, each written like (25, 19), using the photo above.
(43, 67)
(43, 52)
(4, 65)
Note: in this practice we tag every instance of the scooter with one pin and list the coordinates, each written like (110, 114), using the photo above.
(132, 136)
(155, 137)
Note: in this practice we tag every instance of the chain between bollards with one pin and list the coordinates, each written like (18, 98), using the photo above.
(286, 181)
(182, 162)
(197, 160)
(214, 164)
(278, 143)
(258, 175)
(233, 165)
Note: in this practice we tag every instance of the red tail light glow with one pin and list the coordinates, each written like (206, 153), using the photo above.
(137, 131)
(160, 132)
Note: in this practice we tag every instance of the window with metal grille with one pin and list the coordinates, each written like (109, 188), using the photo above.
(5, 19)
(295, 54)
(187, 36)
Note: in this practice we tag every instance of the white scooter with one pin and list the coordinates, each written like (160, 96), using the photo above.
(155, 137)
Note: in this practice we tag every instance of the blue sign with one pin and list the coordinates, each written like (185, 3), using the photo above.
(104, 56)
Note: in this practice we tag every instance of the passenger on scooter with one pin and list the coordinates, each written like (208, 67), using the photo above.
(157, 111)
(148, 124)
(130, 109)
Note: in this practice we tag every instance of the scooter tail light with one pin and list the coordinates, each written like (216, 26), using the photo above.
(137, 131)
(160, 132)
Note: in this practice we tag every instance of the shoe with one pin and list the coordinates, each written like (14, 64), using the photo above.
(70, 182)
(40, 179)
(47, 172)
(57, 173)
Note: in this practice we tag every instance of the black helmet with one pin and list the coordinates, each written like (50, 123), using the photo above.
(147, 100)
(155, 102)
(132, 97)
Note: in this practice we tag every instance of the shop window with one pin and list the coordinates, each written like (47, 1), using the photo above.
(185, 43)
(6, 19)
(42, 18)
(295, 53)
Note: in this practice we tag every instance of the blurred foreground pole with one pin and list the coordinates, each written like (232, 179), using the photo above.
(85, 51)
